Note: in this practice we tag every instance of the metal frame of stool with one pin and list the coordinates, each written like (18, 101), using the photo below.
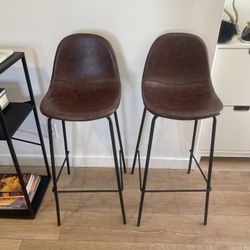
(119, 166)
(207, 177)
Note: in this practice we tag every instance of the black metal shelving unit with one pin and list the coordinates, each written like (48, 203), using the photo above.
(11, 119)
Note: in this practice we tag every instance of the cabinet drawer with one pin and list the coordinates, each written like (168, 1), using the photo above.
(232, 134)
(231, 76)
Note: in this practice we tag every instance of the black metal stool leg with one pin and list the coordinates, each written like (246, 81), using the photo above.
(117, 169)
(54, 172)
(66, 146)
(138, 140)
(210, 170)
(192, 146)
(120, 142)
(146, 169)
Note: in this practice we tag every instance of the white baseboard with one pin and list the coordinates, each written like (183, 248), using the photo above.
(221, 153)
(97, 161)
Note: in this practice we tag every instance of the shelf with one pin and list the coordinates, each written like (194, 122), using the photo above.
(10, 61)
(12, 118)
(25, 213)
(235, 43)
(14, 115)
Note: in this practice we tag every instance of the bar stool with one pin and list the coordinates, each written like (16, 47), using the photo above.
(85, 86)
(176, 84)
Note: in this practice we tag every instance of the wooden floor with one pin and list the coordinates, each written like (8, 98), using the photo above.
(170, 221)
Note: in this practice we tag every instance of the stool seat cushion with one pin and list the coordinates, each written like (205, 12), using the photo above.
(81, 102)
(176, 81)
(187, 101)
(85, 83)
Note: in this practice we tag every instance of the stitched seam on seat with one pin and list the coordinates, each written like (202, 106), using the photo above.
(86, 81)
(174, 84)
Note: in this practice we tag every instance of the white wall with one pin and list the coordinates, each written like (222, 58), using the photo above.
(243, 8)
(131, 26)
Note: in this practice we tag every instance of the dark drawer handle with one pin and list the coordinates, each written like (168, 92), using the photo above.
(241, 108)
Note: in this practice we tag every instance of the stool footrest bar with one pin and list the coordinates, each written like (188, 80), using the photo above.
(31, 142)
(192, 190)
(175, 190)
(87, 191)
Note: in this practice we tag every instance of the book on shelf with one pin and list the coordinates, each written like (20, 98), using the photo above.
(5, 53)
(10, 184)
(3, 99)
(11, 195)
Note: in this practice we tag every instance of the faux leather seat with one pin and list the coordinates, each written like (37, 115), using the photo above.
(85, 86)
(85, 83)
(176, 84)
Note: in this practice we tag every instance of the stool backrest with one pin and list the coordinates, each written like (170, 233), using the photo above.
(82, 58)
(177, 58)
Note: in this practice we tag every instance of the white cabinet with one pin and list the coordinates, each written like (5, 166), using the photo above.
(231, 81)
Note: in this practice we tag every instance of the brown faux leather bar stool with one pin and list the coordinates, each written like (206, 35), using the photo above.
(176, 84)
(85, 86)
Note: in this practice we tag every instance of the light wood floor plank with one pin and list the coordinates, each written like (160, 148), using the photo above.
(42, 227)
(216, 247)
(88, 245)
(10, 244)
(170, 221)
